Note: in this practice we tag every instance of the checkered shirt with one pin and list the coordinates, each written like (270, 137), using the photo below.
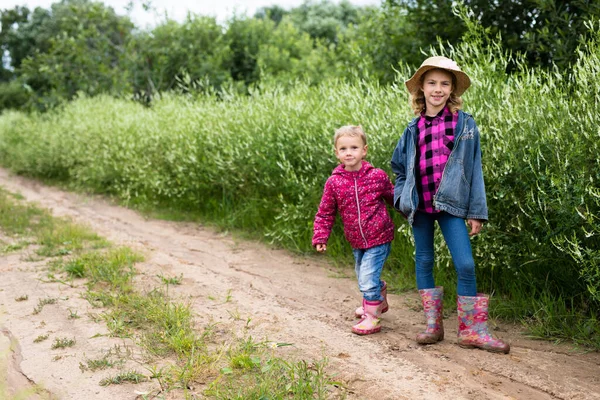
(436, 141)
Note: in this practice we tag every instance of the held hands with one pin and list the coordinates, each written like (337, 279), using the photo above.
(321, 248)
(475, 226)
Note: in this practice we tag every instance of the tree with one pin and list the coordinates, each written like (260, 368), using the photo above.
(382, 38)
(79, 46)
(547, 31)
(275, 13)
(245, 37)
(324, 20)
(195, 50)
(20, 36)
(290, 54)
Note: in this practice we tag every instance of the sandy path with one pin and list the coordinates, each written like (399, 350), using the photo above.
(287, 299)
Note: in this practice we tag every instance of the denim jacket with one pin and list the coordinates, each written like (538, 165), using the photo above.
(461, 191)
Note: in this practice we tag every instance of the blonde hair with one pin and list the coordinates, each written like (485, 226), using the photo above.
(350, 130)
(454, 102)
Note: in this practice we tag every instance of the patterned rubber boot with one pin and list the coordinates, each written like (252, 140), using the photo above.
(384, 307)
(473, 330)
(369, 323)
(432, 305)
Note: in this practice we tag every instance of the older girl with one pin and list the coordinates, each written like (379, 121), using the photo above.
(439, 177)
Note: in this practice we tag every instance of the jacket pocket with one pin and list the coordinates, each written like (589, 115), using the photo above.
(455, 188)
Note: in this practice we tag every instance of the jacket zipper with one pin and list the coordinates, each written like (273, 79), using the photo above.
(358, 209)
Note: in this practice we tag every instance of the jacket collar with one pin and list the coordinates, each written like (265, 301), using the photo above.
(339, 170)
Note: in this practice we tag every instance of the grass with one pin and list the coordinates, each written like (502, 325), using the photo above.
(124, 377)
(32, 225)
(178, 354)
(114, 357)
(278, 379)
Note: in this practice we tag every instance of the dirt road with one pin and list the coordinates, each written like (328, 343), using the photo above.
(302, 301)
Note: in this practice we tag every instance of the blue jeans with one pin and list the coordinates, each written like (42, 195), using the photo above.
(456, 236)
(368, 267)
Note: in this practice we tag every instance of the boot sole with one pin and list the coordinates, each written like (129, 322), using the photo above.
(491, 350)
(366, 332)
(431, 340)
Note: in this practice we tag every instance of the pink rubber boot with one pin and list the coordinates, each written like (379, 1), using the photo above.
(369, 322)
(432, 305)
(384, 307)
(473, 330)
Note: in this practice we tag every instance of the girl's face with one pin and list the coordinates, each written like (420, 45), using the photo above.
(350, 150)
(437, 86)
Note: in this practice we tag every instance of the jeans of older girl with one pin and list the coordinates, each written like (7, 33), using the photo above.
(457, 239)
(368, 266)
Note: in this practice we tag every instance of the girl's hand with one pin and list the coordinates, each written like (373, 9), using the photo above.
(475, 225)
(321, 248)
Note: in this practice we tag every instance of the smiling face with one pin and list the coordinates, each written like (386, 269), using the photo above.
(437, 86)
(350, 150)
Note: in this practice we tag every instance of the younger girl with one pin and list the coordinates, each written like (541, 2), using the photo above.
(439, 177)
(357, 190)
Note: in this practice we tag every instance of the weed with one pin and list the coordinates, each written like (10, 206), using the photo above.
(41, 338)
(123, 377)
(175, 280)
(42, 303)
(61, 343)
(15, 246)
(101, 363)
(234, 315)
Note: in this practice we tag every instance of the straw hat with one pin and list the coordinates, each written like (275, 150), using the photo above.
(462, 80)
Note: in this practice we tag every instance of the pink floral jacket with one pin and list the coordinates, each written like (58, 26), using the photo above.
(360, 198)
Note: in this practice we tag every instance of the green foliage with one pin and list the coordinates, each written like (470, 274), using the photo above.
(291, 55)
(195, 48)
(324, 19)
(13, 95)
(21, 35)
(83, 46)
(245, 37)
(537, 170)
(547, 33)
(274, 13)
(384, 40)
(80, 48)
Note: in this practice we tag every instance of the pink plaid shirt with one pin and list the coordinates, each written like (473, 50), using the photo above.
(436, 141)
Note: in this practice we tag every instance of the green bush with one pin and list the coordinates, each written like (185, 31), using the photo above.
(13, 95)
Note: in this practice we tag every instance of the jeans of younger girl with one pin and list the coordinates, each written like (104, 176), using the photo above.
(456, 236)
(368, 267)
